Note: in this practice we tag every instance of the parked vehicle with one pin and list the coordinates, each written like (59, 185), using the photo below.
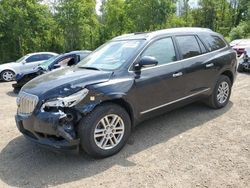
(63, 60)
(26, 63)
(240, 47)
(235, 42)
(96, 103)
(244, 61)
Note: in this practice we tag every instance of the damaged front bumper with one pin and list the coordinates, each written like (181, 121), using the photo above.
(48, 129)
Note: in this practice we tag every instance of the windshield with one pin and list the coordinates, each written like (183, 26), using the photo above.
(21, 59)
(45, 65)
(111, 55)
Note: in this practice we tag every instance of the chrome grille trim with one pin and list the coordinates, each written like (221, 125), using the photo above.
(26, 103)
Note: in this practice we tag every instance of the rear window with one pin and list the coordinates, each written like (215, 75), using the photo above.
(213, 42)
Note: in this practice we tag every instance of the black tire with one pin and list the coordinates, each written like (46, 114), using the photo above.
(87, 126)
(16, 90)
(240, 68)
(7, 71)
(213, 101)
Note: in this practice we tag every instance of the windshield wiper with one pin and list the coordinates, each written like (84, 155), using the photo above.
(91, 68)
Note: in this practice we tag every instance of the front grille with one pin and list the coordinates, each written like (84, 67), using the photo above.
(26, 103)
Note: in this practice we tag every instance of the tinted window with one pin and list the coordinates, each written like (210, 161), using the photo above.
(189, 46)
(202, 47)
(213, 42)
(45, 56)
(163, 50)
(33, 58)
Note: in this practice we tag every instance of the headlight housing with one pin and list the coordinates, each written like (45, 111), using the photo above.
(68, 101)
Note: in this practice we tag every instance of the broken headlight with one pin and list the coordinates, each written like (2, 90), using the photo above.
(68, 101)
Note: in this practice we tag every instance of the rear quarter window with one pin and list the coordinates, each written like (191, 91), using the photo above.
(213, 42)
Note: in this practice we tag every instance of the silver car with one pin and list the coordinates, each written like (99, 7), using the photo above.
(24, 64)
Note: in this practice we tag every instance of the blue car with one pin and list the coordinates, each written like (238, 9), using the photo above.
(60, 61)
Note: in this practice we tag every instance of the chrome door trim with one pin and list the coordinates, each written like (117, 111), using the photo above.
(183, 98)
(173, 62)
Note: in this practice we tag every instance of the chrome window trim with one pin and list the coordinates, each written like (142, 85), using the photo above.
(170, 63)
(172, 102)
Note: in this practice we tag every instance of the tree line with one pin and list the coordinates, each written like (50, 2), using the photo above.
(29, 25)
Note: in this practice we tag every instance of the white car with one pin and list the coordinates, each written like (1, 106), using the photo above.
(235, 42)
(26, 63)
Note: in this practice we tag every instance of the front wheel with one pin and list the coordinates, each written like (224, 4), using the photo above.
(7, 75)
(221, 93)
(105, 131)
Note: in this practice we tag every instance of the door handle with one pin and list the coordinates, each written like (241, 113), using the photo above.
(177, 74)
(209, 65)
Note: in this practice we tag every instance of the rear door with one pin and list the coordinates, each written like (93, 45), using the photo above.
(195, 61)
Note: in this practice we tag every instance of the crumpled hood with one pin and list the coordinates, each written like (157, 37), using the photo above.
(58, 82)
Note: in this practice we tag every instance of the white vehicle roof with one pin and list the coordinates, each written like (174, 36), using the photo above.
(37, 53)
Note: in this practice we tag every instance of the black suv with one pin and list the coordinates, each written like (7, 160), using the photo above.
(96, 103)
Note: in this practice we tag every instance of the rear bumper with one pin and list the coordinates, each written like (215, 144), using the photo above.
(46, 130)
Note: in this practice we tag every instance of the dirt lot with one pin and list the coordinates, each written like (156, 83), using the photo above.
(190, 147)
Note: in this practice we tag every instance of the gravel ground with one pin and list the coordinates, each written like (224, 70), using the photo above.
(190, 147)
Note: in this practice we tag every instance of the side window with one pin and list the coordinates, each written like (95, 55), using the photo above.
(202, 47)
(188, 45)
(213, 42)
(64, 62)
(33, 58)
(163, 50)
(45, 56)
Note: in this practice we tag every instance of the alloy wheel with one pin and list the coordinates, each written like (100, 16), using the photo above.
(109, 131)
(223, 92)
(8, 76)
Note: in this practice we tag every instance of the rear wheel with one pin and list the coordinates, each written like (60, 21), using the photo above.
(221, 93)
(104, 131)
(7, 75)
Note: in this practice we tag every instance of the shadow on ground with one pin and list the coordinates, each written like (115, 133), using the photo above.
(11, 94)
(23, 164)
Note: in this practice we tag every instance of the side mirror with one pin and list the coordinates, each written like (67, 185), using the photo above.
(146, 61)
(23, 62)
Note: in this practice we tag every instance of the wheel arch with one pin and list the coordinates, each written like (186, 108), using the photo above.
(125, 105)
(229, 74)
(8, 69)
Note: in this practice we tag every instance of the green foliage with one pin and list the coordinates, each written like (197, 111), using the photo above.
(148, 15)
(25, 26)
(241, 31)
(77, 23)
(29, 26)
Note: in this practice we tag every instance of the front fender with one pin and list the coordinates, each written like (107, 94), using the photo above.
(86, 107)
(8, 68)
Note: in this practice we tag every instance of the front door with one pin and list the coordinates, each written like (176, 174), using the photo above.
(161, 85)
